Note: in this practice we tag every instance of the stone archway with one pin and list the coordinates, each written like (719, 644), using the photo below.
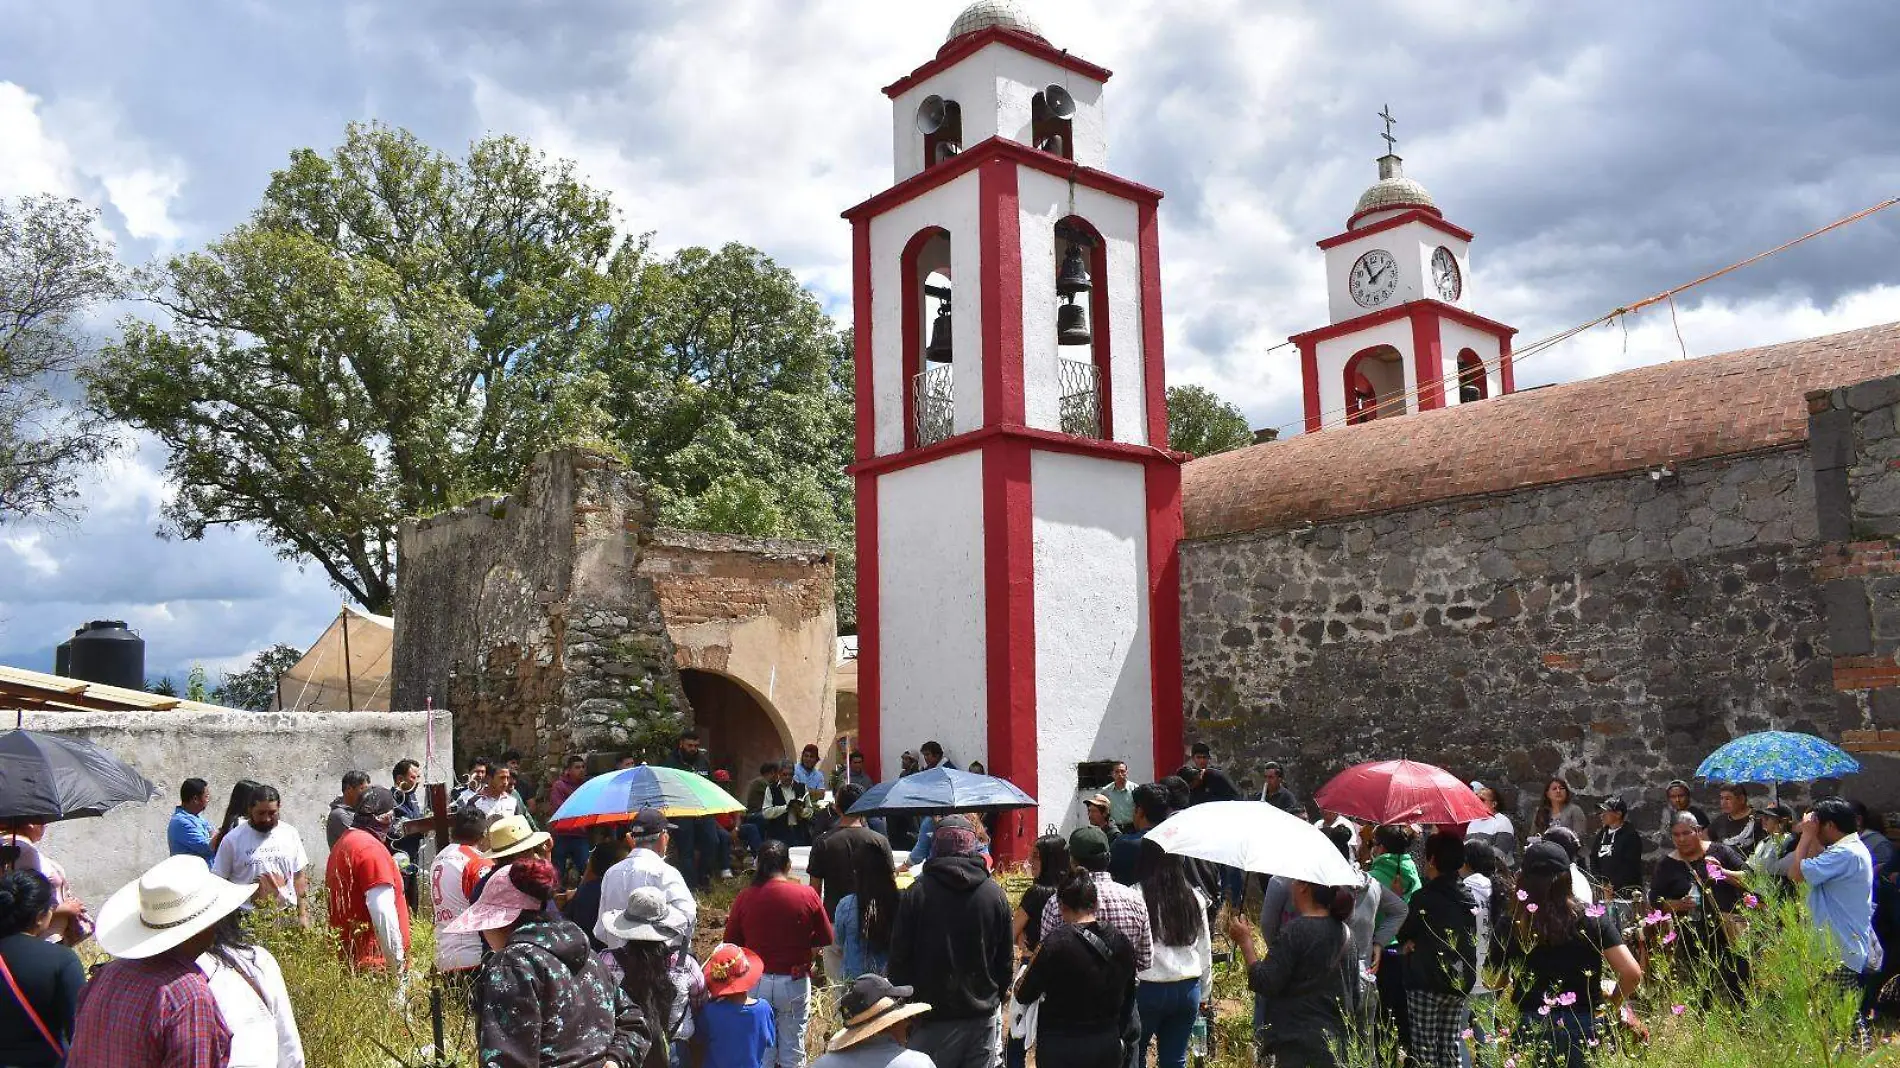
(738, 729)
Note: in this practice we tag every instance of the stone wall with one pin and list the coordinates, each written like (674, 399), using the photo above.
(525, 616)
(1613, 631)
(1855, 436)
(302, 754)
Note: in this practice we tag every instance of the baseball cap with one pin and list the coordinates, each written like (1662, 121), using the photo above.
(1779, 811)
(648, 822)
(1099, 801)
(375, 801)
(1545, 858)
(1087, 844)
(1613, 804)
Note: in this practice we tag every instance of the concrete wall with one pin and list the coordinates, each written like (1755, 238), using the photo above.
(1612, 631)
(302, 754)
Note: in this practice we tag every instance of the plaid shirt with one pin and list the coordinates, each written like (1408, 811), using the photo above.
(1121, 907)
(155, 1013)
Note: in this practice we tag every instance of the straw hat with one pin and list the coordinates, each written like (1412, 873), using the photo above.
(647, 918)
(870, 1005)
(173, 901)
(512, 835)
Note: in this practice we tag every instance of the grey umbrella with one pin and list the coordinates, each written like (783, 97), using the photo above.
(45, 778)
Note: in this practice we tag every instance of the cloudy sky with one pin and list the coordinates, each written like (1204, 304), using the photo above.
(1602, 152)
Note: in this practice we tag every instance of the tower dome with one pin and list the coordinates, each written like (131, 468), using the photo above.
(983, 14)
(1393, 190)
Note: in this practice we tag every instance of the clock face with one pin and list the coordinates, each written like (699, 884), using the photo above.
(1374, 278)
(1445, 275)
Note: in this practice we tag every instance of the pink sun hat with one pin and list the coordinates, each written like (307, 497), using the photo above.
(501, 903)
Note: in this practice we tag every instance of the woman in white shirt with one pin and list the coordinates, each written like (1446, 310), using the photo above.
(1176, 981)
(249, 988)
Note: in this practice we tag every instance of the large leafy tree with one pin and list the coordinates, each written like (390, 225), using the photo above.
(392, 332)
(1200, 423)
(731, 391)
(254, 687)
(54, 267)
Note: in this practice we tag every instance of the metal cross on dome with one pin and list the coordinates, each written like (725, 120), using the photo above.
(1391, 142)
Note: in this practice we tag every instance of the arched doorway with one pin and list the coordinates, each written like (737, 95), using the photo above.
(737, 729)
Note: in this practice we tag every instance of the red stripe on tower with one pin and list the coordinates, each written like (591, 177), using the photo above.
(1154, 378)
(1000, 231)
(1163, 484)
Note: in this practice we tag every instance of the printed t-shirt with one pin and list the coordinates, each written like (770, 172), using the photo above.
(246, 853)
(452, 881)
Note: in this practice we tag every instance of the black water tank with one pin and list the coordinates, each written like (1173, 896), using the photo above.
(63, 655)
(106, 652)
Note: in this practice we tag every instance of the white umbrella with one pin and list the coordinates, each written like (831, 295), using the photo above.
(1255, 836)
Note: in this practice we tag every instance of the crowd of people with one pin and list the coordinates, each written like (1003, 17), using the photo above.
(578, 948)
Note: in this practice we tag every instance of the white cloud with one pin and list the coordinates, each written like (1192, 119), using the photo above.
(78, 147)
(26, 547)
(34, 161)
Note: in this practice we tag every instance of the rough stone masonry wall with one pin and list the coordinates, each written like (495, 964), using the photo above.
(1611, 631)
(524, 615)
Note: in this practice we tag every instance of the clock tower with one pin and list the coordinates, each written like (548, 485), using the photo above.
(1403, 337)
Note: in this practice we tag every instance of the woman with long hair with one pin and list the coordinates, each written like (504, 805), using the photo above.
(249, 988)
(235, 808)
(1084, 974)
(866, 915)
(1558, 809)
(40, 995)
(784, 922)
(1178, 978)
(1308, 980)
(542, 998)
(1049, 864)
(650, 932)
(1700, 884)
(1563, 952)
(1497, 828)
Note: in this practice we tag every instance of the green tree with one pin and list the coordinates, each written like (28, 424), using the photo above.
(1200, 423)
(162, 686)
(392, 332)
(254, 687)
(54, 267)
(730, 390)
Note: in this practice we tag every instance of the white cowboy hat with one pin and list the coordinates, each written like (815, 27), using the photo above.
(176, 899)
(513, 835)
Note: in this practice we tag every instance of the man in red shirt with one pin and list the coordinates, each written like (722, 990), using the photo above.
(570, 847)
(784, 922)
(367, 909)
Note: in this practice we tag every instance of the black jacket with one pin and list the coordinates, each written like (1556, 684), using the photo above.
(951, 940)
(1443, 931)
(1616, 858)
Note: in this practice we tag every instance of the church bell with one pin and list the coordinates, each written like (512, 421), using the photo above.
(938, 351)
(1074, 276)
(1072, 324)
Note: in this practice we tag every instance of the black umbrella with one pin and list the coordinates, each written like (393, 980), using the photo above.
(49, 777)
(940, 791)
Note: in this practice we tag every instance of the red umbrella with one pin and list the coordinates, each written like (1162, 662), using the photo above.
(1401, 791)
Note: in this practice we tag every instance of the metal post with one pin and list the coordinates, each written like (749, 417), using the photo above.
(349, 683)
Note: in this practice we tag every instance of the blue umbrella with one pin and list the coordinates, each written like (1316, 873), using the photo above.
(1777, 756)
(940, 791)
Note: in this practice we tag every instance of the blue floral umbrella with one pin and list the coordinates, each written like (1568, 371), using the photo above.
(1777, 756)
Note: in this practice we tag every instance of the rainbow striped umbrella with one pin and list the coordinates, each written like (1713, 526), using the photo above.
(616, 797)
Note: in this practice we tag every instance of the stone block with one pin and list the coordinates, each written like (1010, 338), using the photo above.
(1877, 496)
(1831, 439)
(1833, 505)
(1875, 393)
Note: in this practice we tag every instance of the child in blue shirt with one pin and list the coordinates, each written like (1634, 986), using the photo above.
(734, 1029)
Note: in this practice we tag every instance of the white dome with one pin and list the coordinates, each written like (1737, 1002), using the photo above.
(1393, 190)
(983, 14)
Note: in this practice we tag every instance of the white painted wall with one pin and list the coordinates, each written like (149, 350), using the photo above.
(931, 609)
(1330, 357)
(1094, 697)
(953, 206)
(1459, 336)
(302, 754)
(1411, 246)
(1044, 200)
(994, 86)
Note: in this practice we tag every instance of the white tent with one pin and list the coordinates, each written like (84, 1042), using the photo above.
(347, 670)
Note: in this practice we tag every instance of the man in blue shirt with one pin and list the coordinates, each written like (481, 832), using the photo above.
(1839, 874)
(190, 832)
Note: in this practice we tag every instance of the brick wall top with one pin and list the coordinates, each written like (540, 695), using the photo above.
(1712, 406)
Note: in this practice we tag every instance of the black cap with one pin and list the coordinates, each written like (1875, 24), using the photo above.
(376, 801)
(1613, 804)
(1545, 858)
(1565, 839)
(866, 991)
(1779, 811)
(1087, 845)
(648, 822)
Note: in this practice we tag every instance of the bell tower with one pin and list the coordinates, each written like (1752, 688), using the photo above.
(1017, 508)
(1403, 337)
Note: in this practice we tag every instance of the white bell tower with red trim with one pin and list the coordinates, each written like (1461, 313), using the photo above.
(1017, 508)
(1403, 337)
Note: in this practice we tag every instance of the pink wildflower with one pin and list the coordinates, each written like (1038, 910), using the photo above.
(1593, 911)
(1678, 1009)
(1523, 895)
(1465, 1034)
(1655, 917)
(1567, 999)
(1716, 873)
(1668, 938)
(1510, 1062)
(1543, 1010)
(1532, 907)
(1751, 901)
(1592, 1043)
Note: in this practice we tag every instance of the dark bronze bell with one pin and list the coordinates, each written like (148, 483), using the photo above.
(1469, 393)
(1072, 324)
(938, 351)
(1074, 276)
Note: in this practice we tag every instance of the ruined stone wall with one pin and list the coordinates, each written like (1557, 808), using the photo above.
(523, 615)
(1612, 631)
